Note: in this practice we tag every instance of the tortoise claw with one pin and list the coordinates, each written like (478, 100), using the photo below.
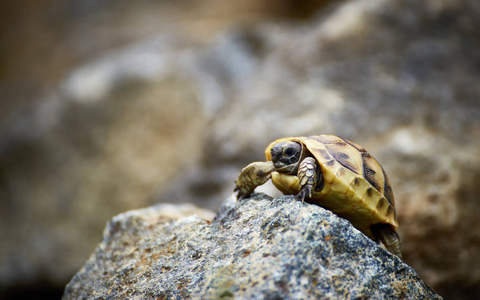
(305, 193)
(253, 175)
(240, 195)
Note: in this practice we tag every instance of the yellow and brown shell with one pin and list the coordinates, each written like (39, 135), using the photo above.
(355, 184)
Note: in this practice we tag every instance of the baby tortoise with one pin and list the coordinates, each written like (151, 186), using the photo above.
(334, 173)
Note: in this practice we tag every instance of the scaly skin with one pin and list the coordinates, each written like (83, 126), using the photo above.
(307, 176)
(253, 175)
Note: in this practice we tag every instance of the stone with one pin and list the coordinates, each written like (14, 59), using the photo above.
(258, 248)
(170, 109)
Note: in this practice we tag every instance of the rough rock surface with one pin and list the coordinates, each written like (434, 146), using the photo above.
(260, 248)
(164, 109)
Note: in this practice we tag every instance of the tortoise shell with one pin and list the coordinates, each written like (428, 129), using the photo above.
(355, 184)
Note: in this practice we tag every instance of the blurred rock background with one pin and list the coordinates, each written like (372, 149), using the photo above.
(110, 106)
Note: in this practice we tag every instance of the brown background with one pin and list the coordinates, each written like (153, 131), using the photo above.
(110, 106)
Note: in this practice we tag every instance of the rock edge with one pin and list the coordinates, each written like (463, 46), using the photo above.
(258, 248)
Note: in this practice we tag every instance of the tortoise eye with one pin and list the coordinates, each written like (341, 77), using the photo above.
(289, 152)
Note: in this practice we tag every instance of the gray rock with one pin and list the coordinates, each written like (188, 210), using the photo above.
(259, 248)
(161, 114)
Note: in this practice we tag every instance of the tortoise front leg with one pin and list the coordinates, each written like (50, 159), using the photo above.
(309, 177)
(253, 175)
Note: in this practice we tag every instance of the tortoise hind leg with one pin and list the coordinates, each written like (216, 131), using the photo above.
(386, 235)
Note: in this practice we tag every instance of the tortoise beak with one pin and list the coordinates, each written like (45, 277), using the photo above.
(279, 165)
(276, 153)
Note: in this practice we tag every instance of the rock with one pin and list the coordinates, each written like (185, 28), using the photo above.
(159, 111)
(257, 249)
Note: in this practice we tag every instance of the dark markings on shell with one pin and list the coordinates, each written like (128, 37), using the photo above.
(341, 171)
(356, 181)
(387, 190)
(381, 204)
(391, 213)
(325, 154)
(325, 139)
(342, 150)
(355, 145)
(368, 172)
(369, 192)
(338, 151)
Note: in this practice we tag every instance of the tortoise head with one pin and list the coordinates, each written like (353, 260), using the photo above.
(286, 156)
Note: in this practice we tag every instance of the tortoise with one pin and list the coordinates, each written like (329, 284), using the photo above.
(334, 173)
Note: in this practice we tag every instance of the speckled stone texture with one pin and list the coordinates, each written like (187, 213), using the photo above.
(109, 106)
(258, 248)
